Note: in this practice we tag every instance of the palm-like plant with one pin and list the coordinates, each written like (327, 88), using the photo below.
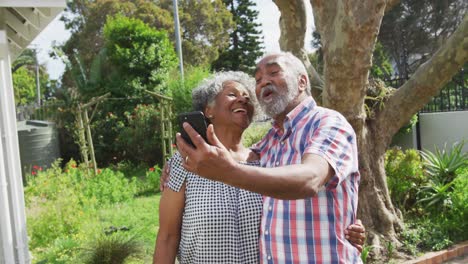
(442, 164)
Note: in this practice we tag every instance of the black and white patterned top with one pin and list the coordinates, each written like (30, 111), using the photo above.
(220, 223)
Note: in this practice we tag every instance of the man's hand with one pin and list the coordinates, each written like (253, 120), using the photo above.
(206, 160)
(356, 234)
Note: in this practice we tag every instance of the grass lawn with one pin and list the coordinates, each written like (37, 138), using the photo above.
(140, 216)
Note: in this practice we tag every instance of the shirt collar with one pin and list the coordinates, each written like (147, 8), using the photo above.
(294, 115)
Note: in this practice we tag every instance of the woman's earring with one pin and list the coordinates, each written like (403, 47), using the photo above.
(210, 117)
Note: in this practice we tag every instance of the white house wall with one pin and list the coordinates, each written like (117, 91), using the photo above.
(438, 129)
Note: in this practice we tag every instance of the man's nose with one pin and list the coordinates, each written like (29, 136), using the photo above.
(264, 82)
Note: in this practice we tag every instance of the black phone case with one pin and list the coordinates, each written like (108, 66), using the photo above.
(197, 121)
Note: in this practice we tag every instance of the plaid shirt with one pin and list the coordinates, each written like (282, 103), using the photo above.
(311, 230)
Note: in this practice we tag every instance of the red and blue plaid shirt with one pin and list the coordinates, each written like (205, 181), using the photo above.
(311, 230)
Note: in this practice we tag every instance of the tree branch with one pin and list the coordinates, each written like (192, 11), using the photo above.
(391, 4)
(293, 25)
(425, 83)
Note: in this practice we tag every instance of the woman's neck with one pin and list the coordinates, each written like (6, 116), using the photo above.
(232, 140)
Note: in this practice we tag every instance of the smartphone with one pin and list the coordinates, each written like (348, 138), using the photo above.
(197, 120)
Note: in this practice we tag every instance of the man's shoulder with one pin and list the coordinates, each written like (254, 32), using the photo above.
(330, 115)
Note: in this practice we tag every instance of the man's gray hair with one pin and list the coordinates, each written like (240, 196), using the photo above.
(206, 92)
(291, 65)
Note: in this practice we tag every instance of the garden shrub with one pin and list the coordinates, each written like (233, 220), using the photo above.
(112, 249)
(254, 133)
(141, 137)
(153, 179)
(454, 220)
(442, 200)
(424, 234)
(442, 164)
(181, 89)
(110, 187)
(50, 183)
(441, 167)
(62, 250)
(51, 219)
(404, 172)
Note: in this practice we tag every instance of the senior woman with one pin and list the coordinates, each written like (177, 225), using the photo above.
(203, 221)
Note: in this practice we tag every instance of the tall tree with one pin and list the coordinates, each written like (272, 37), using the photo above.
(348, 30)
(142, 56)
(245, 42)
(24, 77)
(205, 25)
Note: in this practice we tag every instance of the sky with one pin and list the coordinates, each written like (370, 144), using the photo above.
(268, 18)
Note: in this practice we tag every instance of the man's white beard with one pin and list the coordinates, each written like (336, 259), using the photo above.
(278, 102)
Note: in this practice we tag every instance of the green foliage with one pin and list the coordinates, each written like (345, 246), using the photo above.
(153, 176)
(139, 215)
(254, 133)
(205, 25)
(404, 172)
(245, 42)
(365, 252)
(376, 95)
(109, 187)
(441, 167)
(52, 219)
(181, 90)
(24, 83)
(316, 60)
(424, 234)
(67, 210)
(381, 66)
(141, 137)
(142, 55)
(455, 221)
(438, 218)
(408, 127)
(63, 250)
(408, 30)
(128, 56)
(442, 164)
(390, 247)
(112, 249)
(136, 58)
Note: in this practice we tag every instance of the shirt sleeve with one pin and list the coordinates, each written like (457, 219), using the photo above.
(177, 174)
(334, 139)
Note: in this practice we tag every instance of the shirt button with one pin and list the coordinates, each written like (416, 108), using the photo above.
(269, 208)
(282, 142)
(266, 232)
(269, 257)
(277, 163)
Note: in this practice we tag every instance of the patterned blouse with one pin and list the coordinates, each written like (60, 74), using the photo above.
(220, 223)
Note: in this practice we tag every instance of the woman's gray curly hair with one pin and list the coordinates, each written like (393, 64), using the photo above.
(206, 92)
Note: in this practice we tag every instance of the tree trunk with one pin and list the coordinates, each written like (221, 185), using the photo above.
(375, 208)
